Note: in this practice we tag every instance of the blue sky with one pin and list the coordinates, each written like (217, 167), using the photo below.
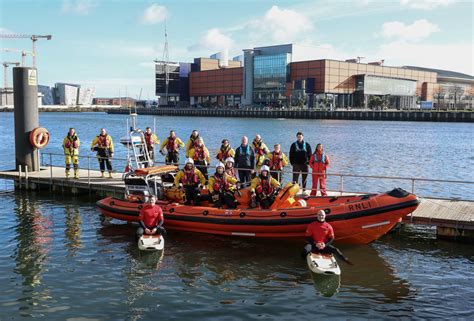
(110, 45)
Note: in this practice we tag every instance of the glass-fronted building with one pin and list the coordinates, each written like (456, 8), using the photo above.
(288, 75)
(270, 75)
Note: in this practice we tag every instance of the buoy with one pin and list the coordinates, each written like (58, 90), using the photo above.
(39, 137)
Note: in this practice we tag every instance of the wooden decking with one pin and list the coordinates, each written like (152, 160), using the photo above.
(451, 217)
(55, 178)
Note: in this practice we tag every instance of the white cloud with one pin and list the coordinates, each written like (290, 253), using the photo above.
(449, 56)
(426, 4)
(154, 14)
(281, 25)
(213, 39)
(80, 7)
(417, 31)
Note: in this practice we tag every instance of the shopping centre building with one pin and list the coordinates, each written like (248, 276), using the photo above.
(282, 75)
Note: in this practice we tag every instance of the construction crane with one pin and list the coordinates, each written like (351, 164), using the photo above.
(5, 78)
(33, 38)
(23, 54)
(5, 74)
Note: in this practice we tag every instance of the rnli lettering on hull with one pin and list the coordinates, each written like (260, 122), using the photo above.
(359, 206)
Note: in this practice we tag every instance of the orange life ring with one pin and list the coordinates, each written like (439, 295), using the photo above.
(39, 137)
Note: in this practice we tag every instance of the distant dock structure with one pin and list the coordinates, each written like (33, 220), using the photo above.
(382, 115)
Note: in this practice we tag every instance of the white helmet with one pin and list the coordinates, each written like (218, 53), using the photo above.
(189, 160)
(219, 164)
(229, 159)
(265, 168)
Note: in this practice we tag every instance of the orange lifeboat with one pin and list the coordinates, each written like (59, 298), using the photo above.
(358, 219)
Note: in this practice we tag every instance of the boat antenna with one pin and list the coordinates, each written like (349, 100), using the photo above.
(166, 58)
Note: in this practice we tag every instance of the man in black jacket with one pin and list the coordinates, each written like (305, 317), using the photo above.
(300, 153)
(245, 160)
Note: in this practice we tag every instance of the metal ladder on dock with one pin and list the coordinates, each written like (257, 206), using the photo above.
(139, 157)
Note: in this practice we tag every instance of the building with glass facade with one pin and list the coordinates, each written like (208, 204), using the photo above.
(282, 75)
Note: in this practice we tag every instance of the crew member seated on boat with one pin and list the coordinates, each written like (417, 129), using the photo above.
(221, 187)
(225, 151)
(229, 167)
(200, 154)
(263, 188)
(172, 144)
(191, 179)
(151, 139)
(320, 236)
(104, 146)
(151, 219)
(192, 142)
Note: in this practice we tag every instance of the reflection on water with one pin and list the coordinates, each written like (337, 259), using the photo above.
(33, 241)
(327, 285)
(73, 228)
(59, 262)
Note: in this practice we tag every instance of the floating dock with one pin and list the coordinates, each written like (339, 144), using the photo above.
(453, 219)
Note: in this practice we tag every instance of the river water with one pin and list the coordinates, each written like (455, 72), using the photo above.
(58, 262)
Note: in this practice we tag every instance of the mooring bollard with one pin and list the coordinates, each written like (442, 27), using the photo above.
(26, 116)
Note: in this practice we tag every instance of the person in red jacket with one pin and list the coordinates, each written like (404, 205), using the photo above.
(151, 219)
(318, 162)
(320, 236)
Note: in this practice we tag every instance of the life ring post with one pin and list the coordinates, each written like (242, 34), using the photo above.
(25, 102)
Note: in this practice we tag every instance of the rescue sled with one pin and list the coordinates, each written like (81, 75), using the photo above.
(154, 242)
(323, 264)
(356, 219)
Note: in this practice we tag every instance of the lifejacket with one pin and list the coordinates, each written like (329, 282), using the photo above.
(275, 162)
(220, 183)
(224, 153)
(258, 149)
(264, 187)
(193, 141)
(190, 177)
(103, 141)
(322, 160)
(171, 146)
(148, 140)
(298, 149)
(231, 172)
(199, 153)
(71, 142)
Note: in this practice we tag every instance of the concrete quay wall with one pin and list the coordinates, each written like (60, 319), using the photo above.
(433, 116)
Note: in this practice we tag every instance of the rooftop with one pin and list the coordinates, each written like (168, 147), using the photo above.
(442, 73)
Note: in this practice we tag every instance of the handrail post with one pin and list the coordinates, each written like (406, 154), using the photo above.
(19, 175)
(51, 170)
(26, 176)
(341, 185)
(413, 186)
(89, 171)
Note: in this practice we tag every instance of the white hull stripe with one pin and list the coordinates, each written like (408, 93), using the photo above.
(243, 234)
(376, 224)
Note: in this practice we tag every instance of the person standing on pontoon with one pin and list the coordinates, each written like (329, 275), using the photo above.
(172, 144)
(151, 140)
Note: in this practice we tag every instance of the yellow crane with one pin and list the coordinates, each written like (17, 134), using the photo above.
(33, 38)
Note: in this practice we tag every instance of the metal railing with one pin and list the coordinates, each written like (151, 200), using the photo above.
(50, 159)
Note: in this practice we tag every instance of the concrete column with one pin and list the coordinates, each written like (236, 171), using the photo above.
(25, 87)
